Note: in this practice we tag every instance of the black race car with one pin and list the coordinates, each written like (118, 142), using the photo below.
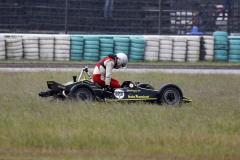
(87, 90)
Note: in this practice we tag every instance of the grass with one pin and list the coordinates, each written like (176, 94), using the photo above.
(34, 128)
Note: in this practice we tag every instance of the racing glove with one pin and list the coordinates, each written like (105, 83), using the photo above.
(106, 90)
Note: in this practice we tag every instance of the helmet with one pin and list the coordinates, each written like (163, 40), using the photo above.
(122, 60)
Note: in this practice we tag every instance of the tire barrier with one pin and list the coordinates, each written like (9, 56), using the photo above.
(193, 49)
(220, 33)
(179, 49)
(2, 48)
(62, 48)
(91, 48)
(14, 48)
(151, 48)
(106, 47)
(220, 46)
(46, 48)
(77, 44)
(121, 45)
(234, 49)
(207, 48)
(137, 46)
(30, 47)
(165, 48)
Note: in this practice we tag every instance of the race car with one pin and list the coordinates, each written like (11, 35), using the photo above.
(86, 90)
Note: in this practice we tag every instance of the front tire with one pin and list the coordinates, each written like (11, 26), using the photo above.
(83, 94)
(170, 95)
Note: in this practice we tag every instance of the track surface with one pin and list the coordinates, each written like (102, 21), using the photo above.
(130, 66)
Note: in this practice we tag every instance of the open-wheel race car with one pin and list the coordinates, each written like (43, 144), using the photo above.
(82, 89)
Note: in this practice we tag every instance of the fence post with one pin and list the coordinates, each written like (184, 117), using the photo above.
(159, 17)
(66, 16)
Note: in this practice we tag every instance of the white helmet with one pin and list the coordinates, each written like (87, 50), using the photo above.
(122, 60)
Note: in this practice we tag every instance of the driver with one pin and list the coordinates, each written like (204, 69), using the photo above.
(103, 71)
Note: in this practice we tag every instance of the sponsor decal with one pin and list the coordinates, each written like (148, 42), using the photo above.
(119, 94)
(132, 90)
(132, 97)
(131, 85)
(138, 97)
(60, 86)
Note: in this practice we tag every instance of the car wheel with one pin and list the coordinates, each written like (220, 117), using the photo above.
(171, 96)
(83, 94)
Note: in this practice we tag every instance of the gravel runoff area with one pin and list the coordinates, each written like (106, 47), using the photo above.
(139, 68)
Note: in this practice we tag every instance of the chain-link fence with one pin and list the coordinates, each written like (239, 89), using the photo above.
(178, 17)
(129, 17)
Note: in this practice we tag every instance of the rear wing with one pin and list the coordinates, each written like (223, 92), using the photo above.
(54, 85)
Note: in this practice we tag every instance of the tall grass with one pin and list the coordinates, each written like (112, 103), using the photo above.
(208, 128)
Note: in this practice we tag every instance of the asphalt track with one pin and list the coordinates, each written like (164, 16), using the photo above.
(139, 68)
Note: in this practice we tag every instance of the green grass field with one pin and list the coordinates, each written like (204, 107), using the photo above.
(34, 128)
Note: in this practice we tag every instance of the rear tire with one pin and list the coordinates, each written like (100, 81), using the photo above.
(83, 94)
